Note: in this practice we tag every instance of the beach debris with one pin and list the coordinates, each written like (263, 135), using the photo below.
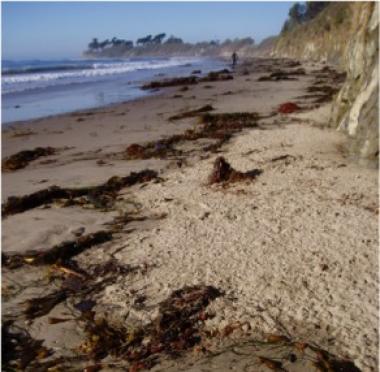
(189, 80)
(58, 253)
(183, 89)
(218, 127)
(19, 349)
(23, 158)
(94, 280)
(223, 173)
(217, 76)
(40, 306)
(176, 329)
(101, 196)
(288, 108)
(192, 113)
(322, 93)
(283, 75)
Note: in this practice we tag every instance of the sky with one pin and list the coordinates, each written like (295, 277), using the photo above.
(63, 29)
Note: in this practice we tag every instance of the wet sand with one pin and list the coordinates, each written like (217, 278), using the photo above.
(294, 250)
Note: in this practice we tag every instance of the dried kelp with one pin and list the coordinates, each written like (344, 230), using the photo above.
(223, 173)
(218, 127)
(283, 75)
(189, 80)
(18, 349)
(57, 253)
(177, 328)
(325, 93)
(95, 279)
(192, 113)
(221, 75)
(101, 196)
(40, 306)
(23, 158)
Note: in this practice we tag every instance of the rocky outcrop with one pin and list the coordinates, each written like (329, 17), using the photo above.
(345, 34)
(356, 109)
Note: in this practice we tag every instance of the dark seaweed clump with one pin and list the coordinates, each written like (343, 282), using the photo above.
(221, 75)
(219, 127)
(23, 158)
(190, 80)
(282, 75)
(18, 348)
(101, 196)
(223, 173)
(192, 113)
(59, 252)
(176, 329)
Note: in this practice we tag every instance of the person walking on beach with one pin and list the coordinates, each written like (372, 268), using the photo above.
(234, 59)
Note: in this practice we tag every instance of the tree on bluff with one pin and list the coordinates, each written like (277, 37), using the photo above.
(94, 44)
(301, 13)
(174, 40)
(158, 38)
(144, 40)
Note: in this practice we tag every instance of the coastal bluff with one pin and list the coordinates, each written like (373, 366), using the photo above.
(344, 34)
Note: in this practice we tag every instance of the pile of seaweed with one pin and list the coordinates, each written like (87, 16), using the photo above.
(327, 83)
(102, 196)
(177, 328)
(223, 173)
(192, 113)
(218, 127)
(58, 253)
(23, 158)
(283, 75)
(18, 348)
(212, 76)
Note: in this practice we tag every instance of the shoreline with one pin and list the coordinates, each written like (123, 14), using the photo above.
(289, 250)
(114, 87)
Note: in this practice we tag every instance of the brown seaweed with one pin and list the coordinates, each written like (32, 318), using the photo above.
(176, 329)
(189, 80)
(192, 113)
(57, 253)
(219, 127)
(23, 158)
(18, 349)
(223, 173)
(101, 196)
(40, 306)
(221, 75)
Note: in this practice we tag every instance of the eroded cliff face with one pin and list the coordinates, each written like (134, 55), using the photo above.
(356, 108)
(345, 34)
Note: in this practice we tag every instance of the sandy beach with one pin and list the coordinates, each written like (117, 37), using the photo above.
(291, 244)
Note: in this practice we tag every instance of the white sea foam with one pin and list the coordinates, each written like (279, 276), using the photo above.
(97, 70)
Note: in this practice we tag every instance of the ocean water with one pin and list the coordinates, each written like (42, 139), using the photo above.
(39, 88)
